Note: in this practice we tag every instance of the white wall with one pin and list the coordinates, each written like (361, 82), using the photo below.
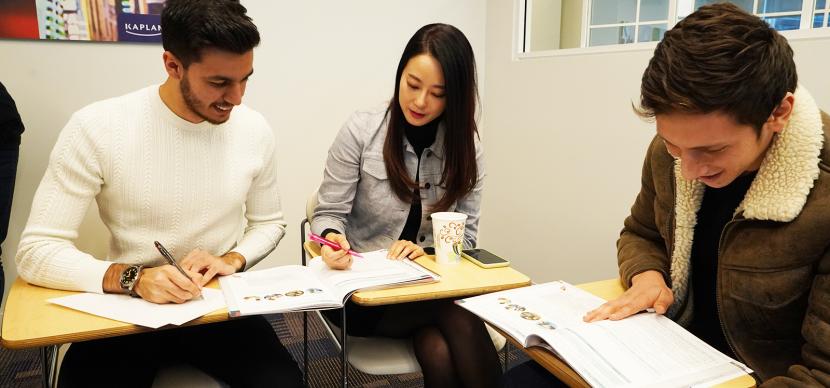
(318, 61)
(564, 150)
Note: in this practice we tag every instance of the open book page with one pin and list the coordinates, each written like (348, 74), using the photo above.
(278, 289)
(645, 350)
(138, 311)
(373, 270)
(503, 309)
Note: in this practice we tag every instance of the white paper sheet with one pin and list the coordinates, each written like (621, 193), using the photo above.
(138, 311)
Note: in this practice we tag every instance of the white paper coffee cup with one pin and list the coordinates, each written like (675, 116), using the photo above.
(448, 235)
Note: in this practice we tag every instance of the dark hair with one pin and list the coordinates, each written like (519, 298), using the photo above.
(719, 59)
(452, 50)
(190, 26)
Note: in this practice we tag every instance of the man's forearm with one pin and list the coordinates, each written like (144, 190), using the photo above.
(112, 278)
(235, 259)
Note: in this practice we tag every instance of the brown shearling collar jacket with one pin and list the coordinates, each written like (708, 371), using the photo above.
(773, 276)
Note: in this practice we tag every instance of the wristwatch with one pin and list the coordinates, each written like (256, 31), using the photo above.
(129, 278)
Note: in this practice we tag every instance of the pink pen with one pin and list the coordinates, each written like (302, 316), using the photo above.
(331, 244)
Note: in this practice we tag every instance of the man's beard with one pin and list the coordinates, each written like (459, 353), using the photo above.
(193, 104)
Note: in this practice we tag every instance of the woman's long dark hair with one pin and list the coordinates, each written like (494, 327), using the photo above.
(452, 50)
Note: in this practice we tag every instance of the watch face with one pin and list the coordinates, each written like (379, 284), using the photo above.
(129, 275)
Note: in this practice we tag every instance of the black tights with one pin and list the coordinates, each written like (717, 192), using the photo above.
(451, 344)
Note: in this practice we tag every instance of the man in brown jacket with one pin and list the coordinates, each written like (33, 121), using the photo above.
(730, 233)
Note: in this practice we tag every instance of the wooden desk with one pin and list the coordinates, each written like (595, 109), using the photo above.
(30, 321)
(606, 289)
(457, 281)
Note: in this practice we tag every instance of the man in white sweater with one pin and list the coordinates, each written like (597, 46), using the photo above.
(168, 163)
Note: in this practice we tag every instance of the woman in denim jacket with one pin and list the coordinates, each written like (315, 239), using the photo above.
(391, 167)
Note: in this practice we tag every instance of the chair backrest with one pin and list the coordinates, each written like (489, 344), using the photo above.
(310, 204)
(310, 248)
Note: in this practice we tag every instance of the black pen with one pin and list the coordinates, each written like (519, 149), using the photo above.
(172, 262)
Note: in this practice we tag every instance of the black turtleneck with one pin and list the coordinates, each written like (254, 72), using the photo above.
(715, 212)
(420, 138)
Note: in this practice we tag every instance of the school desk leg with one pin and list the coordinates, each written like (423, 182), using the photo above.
(305, 314)
(56, 350)
(305, 349)
(49, 355)
(344, 364)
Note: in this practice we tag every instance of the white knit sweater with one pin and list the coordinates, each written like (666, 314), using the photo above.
(154, 176)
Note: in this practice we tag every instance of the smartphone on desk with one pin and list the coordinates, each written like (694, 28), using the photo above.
(484, 258)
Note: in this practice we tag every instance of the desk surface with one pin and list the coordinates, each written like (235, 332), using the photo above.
(30, 321)
(606, 289)
(457, 281)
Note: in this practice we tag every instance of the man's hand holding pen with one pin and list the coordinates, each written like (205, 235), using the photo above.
(175, 282)
(165, 284)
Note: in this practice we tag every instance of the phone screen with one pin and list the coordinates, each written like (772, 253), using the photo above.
(484, 256)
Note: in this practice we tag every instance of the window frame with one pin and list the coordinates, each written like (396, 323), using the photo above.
(806, 13)
(824, 11)
(522, 18)
(587, 26)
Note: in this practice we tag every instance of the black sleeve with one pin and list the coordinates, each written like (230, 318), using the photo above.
(11, 126)
(330, 230)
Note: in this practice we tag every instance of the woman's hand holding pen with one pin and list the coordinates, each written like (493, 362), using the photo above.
(165, 284)
(208, 265)
(337, 259)
(648, 290)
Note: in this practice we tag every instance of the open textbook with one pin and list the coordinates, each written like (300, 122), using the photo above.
(644, 350)
(315, 286)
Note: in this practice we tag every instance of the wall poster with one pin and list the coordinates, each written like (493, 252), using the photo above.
(90, 20)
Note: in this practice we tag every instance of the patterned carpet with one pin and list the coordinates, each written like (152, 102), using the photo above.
(21, 368)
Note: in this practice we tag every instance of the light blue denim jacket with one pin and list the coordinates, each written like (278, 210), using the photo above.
(357, 199)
